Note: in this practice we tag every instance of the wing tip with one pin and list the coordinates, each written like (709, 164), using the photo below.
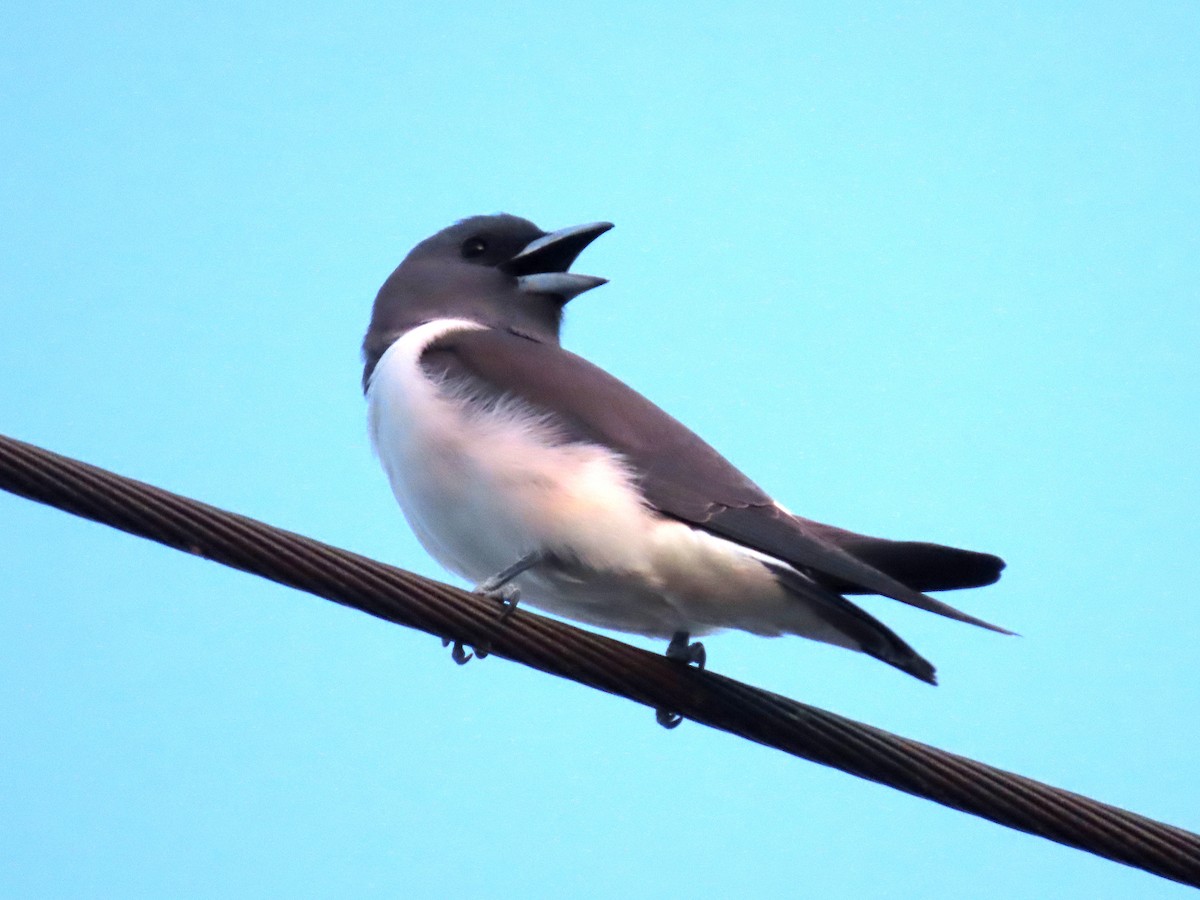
(910, 662)
(923, 672)
(971, 620)
(921, 600)
(991, 567)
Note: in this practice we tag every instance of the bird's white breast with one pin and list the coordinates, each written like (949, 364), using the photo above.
(482, 485)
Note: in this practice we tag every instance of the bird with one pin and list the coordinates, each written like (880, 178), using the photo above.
(542, 479)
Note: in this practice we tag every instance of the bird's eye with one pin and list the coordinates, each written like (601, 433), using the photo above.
(473, 247)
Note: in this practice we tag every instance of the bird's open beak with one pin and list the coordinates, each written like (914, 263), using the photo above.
(541, 268)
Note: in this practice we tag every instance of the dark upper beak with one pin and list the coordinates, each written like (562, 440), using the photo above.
(541, 268)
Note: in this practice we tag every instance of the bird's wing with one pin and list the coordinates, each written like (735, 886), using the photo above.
(684, 478)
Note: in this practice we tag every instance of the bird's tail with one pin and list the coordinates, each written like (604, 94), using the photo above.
(831, 618)
(918, 565)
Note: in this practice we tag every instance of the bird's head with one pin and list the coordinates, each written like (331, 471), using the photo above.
(502, 271)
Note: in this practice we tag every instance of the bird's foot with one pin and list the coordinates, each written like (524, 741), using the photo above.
(681, 651)
(667, 720)
(461, 655)
(509, 595)
(500, 586)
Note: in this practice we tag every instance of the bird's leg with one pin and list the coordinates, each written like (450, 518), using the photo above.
(498, 585)
(508, 594)
(681, 651)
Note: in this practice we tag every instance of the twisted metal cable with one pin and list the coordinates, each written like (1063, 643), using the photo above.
(599, 662)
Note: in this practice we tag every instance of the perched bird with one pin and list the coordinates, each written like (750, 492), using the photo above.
(531, 472)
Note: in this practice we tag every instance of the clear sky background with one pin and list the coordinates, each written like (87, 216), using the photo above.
(922, 270)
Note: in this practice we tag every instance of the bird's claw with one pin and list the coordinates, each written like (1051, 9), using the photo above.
(509, 596)
(667, 719)
(681, 651)
(460, 654)
(501, 587)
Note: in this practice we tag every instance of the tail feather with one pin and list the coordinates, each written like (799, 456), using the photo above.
(861, 631)
(824, 551)
(921, 566)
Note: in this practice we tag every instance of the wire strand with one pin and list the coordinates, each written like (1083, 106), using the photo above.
(599, 662)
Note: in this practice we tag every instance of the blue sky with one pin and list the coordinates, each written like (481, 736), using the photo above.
(920, 270)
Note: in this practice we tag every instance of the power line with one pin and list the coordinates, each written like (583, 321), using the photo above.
(599, 662)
